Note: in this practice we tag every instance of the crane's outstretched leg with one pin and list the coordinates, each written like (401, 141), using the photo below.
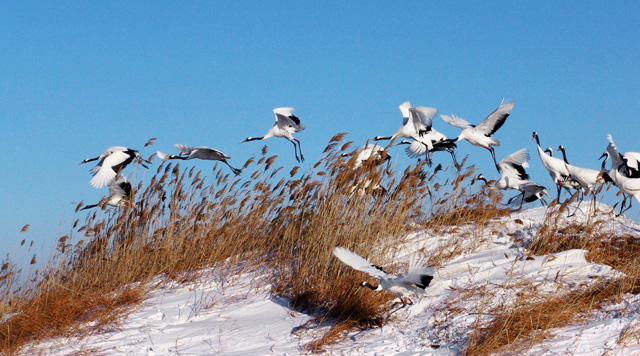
(493, 155)
(453, 157)
(235, 171)
(624, 201)
(300, 150)
(295, 149)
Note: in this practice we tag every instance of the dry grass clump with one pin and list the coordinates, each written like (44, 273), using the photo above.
(529, 321)
(533, 315)
(459, 204)
(282, 222)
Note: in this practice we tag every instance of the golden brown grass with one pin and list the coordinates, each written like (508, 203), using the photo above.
(184, 221)
(516, 328)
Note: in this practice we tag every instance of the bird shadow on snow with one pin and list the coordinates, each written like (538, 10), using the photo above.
(316, 321)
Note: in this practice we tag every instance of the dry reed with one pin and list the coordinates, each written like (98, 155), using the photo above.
(287, 224)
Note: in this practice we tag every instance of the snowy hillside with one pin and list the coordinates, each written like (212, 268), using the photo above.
(232, 317)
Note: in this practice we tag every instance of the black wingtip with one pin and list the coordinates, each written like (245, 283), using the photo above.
(425, 280)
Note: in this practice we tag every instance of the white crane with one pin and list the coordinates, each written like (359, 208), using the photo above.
(557, 169)
(373, 154)
(480, 135)
(409, 285)
(513, 174)
(112, 161)
(370, 151)
(529, 193)
(119, 192)
(631, 159)
(515, 177)
(586, 178)
(438, 142)
(206, 153)
(286, 125)
(376, 155)
(620, 175)
(416, 122)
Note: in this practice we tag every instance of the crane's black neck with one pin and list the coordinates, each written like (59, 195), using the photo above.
(90, 160)
(564, 155)
(254, 138)
(535, 135)
(366, 284)
(606, 158)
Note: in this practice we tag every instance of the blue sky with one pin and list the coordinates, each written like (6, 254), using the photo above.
(78, 77)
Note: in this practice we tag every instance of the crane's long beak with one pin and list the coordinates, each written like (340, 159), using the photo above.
(88, 160)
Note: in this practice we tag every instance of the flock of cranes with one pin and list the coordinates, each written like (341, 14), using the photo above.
(423, 141)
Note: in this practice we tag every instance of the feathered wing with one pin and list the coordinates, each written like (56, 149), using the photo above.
(422, 117)
(520, 158)
(417, 149)
(209, 153)
(163, 156)
(517, 162)
(284, 111)
(420, 277)
(107, 169)
(533, 191)
(418, 273)
(516, 200)
(358, 263)
(286, 121)
(285, 117)
(120, 187)
(184, 149)
(456, 121)
(633, 160)
(615, 155)
(496, 119)
(370, 150)
(404, 109)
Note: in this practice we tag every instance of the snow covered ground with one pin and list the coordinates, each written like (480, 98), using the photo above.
(233, 317)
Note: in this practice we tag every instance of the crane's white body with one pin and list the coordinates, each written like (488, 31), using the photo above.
(370, 151)
(557, 169)
(416, 122)
(119, 192)
(205, 153)
(513, 174)
(409, 285)
(529, 192)
(620, 174)
(286, 125)
(112, 161)
(585, 178)
(480, 135)
(629, 161)
(428, 142)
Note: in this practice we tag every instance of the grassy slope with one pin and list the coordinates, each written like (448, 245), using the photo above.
(182, 222)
